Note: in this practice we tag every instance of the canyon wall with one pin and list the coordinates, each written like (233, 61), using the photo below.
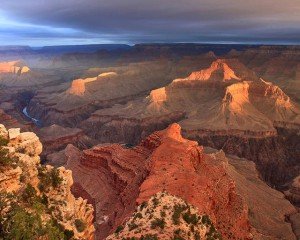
(165, 161)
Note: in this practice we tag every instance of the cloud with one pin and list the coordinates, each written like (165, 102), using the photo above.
(132, 21)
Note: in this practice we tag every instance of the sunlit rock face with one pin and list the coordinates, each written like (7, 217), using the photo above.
(78, 86)
(23, 185)
(278, 64)
(165, 161)
(14, 67)
(18, 74)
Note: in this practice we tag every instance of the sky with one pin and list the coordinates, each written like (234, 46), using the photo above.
(59, 22)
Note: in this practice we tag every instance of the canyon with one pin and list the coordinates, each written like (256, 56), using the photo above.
(234, 146)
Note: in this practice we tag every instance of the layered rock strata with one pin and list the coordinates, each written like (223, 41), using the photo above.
(167, 162)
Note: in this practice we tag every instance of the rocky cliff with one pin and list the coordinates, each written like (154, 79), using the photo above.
(36, 201)
(165, 161)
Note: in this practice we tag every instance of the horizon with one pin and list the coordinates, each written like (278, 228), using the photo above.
(155, 43)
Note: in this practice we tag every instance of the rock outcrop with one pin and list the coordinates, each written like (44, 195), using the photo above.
(18, 74)
(14, 67)
(79, 86)
(166, 217)
(39, 196)
(165, 161)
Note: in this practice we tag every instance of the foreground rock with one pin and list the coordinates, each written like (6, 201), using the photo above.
(38, 196)
(167, 162)
(166, 217)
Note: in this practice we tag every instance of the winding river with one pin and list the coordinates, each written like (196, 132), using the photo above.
(34, 120)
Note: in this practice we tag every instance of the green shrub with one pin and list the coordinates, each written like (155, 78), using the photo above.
(205, 220)
(54, 232)
(143, 205)
(177, 210)
(158, 222)
(29, 194)
(80, 225)
(177, 237)
(138, 215)
(48, 179)
(149, 237)
(132, 226)
(68, 234)
(22, 225)
(190, 218)
(155, 201)
(56, 179)
(3, 141)
(213, 234)
(5, 160)
(119, 229)
(197, 236)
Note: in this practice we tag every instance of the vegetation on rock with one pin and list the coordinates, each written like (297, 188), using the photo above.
(166, 217)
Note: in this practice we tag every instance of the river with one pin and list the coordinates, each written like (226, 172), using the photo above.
(34, 120)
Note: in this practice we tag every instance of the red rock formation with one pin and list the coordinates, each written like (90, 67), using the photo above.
(183, 170)
(117, 178)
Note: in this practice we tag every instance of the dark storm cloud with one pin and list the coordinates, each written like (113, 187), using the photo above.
(269, 21)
